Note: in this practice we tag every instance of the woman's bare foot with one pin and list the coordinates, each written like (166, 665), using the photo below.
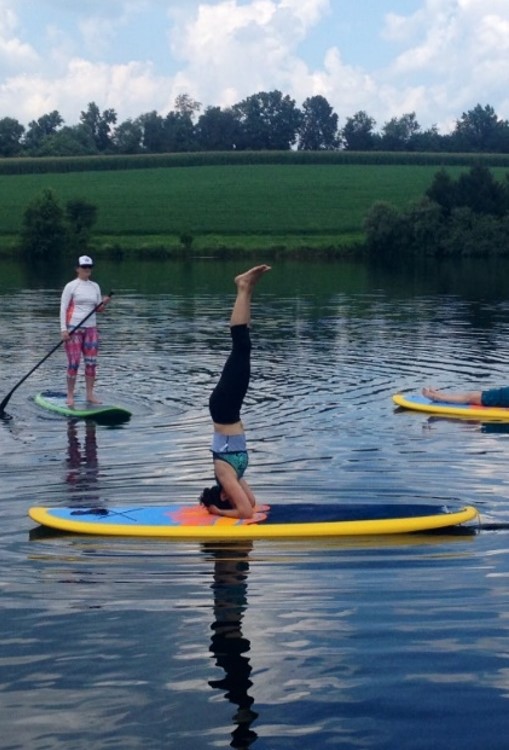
(70, 402)
(248, 279)
(93, 400)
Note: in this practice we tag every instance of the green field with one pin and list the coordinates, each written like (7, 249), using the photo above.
(239, 206)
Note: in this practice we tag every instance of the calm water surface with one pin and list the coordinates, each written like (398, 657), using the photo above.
(366, 643)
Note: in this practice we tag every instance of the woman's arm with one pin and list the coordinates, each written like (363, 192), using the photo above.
(237, 491)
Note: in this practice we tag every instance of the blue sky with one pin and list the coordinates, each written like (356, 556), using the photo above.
(437, 58)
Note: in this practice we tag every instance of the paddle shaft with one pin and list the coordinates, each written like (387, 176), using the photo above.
(34, 368)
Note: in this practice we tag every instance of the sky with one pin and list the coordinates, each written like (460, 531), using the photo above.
(437, 58)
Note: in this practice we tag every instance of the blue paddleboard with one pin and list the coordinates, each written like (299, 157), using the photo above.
(186, 521)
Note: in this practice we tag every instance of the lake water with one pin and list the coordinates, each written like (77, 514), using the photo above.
(397, 642)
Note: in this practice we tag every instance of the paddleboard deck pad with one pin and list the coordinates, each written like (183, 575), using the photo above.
(55, 401)
(184, 521)
(416, 402)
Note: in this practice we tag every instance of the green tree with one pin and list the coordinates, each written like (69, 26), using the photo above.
(186, 105)
(179, 132)
(99, 125)
(268, 120)
(44, 232)
(69, 141)
(81, 217)
(358, 132)
(11, 132)
(318, 130)
(41, 129)
(443, 191)
(127, 137)
(476, 189)
(479, 190)
(153, 130)
(480, 129)
(428, 140)
(397, 133)
(383, 226)
(217, 130)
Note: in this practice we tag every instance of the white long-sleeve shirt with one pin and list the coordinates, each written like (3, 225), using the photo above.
(79, 297)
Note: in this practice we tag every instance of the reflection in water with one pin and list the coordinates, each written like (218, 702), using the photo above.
(228, 645)
(500, 428)
(82, 463)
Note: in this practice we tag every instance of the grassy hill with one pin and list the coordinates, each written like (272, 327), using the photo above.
(287, 205)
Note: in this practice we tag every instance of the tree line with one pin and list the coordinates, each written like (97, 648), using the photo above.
(262, 122)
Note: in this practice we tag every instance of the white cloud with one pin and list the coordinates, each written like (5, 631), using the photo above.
(445, 57)
(14, 53)
(131, 88)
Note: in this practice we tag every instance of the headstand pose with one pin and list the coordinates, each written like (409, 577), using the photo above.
(492, 397)
(232, 496)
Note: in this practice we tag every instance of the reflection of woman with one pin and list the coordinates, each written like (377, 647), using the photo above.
(82, 460)
(228, 645)
(232, 496)
(79, 298)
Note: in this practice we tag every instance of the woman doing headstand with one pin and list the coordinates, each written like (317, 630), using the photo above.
(232, 496)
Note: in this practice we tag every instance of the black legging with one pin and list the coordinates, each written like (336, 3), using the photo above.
(226, 399)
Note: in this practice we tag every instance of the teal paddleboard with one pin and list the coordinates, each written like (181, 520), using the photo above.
(55, 401)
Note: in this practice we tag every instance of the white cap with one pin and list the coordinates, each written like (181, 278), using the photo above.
(85, 260)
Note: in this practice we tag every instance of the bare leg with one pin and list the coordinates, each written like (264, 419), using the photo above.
(71, 383)
(246, 282)
(89, 382)
(470, 397)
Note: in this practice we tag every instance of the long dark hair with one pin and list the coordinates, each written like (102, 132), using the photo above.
(212, 496)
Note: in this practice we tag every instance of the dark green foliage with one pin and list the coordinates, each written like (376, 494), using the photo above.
(217, 130)
(397, 134)
(442, 191)
(464, 217)
(75, 141)
(40, 130)
(476, 189)
(127, 137)
(383, 227)
(186, 240)
(99, 126)
(48, 229)
(319, 126)
(268, 121)
(480, 129)
(44, 234)
(359, 132)
(81, 217)
(11, 132)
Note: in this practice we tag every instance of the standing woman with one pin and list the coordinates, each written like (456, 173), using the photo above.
(232, 496)
(79, 298)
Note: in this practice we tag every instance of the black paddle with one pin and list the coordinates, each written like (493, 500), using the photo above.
(7, 398)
